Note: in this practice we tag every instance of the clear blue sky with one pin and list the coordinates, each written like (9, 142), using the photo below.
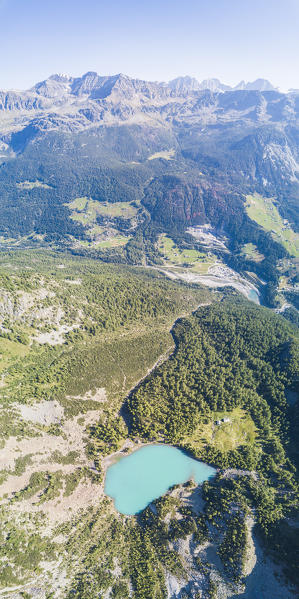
(150, 39)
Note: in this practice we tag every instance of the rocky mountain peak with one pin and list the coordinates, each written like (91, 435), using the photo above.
(261, 85)
(60, 77)
(184, 84)
(53, 87)
(86, 83)
(214, 85)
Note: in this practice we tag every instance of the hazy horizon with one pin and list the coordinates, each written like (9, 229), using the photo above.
(159, 41)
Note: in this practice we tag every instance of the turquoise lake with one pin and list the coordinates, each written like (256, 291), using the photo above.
(136, 480)
(253, 296)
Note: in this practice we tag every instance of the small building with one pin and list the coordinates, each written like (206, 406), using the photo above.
(225, 419)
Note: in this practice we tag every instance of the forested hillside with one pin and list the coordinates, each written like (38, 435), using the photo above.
(232, 359)
(89, 368)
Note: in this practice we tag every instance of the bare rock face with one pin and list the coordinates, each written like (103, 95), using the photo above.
(52, 88)
(214, 85)
(184, 85)
(16, 101)
(86, 84)
(262, 85)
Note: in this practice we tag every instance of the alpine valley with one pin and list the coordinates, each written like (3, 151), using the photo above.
(149, 294)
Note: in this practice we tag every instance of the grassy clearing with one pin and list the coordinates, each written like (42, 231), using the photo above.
(240, 430)
(166, 154)
(86, 211)
(78, 204)
(7, 240)
(26, 241)
(118, 209)
(283, 283)
(288, 276)
(107, 236)
(116, 241)
(10, 350)
(28, 185)
(250, 251)
(110, 242)
(264, 212)
(193, 259)
(96, 231)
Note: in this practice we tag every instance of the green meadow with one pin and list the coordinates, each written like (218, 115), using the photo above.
(250, 251)
(194, 259)
(85, 210)
(264, 212)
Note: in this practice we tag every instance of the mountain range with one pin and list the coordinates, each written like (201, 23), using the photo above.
(185, 153)
(189, 84)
